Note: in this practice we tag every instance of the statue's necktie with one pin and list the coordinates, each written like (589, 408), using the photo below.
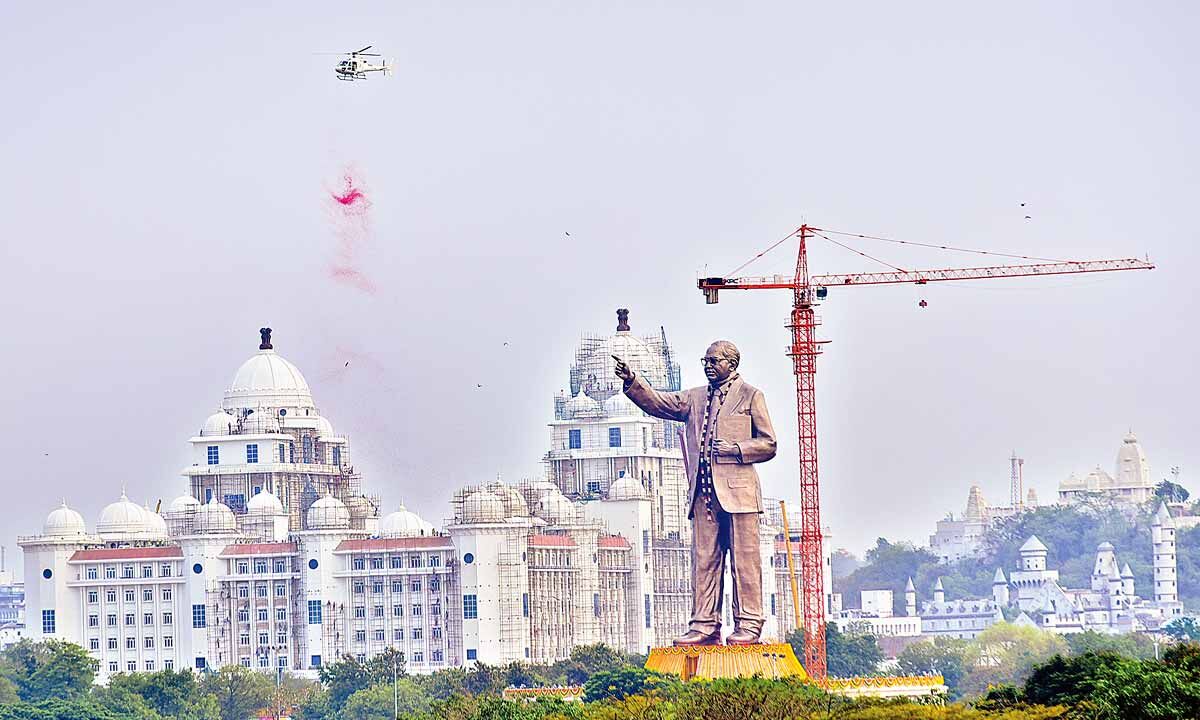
(704, 475)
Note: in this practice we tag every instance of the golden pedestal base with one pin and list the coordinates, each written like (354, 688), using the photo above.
(708, 662)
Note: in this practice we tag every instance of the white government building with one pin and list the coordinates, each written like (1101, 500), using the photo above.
(275, 559)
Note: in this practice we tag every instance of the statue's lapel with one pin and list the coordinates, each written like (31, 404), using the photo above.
(738, 397)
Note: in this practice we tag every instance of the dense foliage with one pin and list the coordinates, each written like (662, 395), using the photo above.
(1008, 673)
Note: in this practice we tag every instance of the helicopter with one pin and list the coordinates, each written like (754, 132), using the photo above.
(356, 68)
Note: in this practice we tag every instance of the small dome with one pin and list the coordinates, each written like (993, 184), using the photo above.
(555, 508)
(184, 504)
(266, 380)
(264, 503)
(1104, 547)
(482, 506)
(121, 518)
(328, 513)
(156, 526)
(215, 517)
(219, 423)
(404, 523)
(260, 422)
(583, 406)
(360, 507)
(324, 428)
(626, 488)
(514, 502)
(64, 522)
(620, 405)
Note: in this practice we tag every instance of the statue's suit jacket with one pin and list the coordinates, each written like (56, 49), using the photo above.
(743, 420)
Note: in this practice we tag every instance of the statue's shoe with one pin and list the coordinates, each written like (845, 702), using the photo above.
(695, 637)
(743, 637)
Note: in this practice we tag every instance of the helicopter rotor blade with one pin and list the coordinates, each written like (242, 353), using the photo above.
(359, 52)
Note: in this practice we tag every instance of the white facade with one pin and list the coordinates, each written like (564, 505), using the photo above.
(1130, 483)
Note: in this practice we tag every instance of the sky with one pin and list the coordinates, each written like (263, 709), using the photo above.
(167, 170)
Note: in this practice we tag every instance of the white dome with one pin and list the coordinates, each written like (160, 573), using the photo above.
(404, 523)
(122, 518)
(620, 405)
(215, 517)
(514, 503)
(583, 406)
(328, 513)
(183, 504)
(555, 508)
(266, 380)
(260, 422)
(64, 522)
(626, 488)
(482, 506)
(265, 503)
(324, 428)
(156, 526)
(219, 423)
(360, 506)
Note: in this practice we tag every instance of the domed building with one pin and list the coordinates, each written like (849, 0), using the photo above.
(214, 518)
(181, 515)
(63, 522)
(328, 513)
(482, 506)
(270, 435)
(122, 520)
(599, 435)
(404, 523)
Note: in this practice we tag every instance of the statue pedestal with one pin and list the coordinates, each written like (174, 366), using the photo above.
(708, 662)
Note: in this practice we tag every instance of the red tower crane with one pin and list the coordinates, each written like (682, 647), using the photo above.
(807, 292)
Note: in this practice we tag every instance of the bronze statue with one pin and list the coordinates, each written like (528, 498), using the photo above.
(727, 431)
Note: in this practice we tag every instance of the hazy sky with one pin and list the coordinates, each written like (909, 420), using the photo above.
(163, 195)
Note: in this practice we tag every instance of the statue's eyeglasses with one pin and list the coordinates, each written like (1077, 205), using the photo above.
(711, 360)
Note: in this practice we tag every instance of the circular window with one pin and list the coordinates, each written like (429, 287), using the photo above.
(312, 564)
(468, 558)
(197, 568)
(282, 411)
(47, 573)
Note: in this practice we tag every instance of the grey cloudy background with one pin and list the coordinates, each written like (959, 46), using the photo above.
(163, 190)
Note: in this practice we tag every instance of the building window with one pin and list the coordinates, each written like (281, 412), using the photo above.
(596, 604)
(377, 588)
(243, 567)
(149, 642)
(168, 618)
(168, 664)
(360, 611)
(337, 455)
(147, 595)
(131, 666)
(93, 621)
(244, 661)
(112, 643)
(414, 561)
(280, 566)
(471, 654)
(358, 563)
(435, 561)
(236, 502)
(147, 571)
(149, 665)
(198, 618)
(260, 590)
(435, 583)
(360, 636)
(525, 604)
(416, 610)
(131, 643)
(359, 588)
(110, 573)
(398, 634)
(94, 644)
(437, 656)
(263, 615)
(201, 663)
(436, 633)
(111, 620)
(415, 585)
(260, 567)
(377, 611)
(593, 487)
(113, 667)
(471, 607)
(92, 574)
(647, 611)
(282, 453)
(252, 453)
(93, 597)
(165, 571)
(416, 633)
(127, 572)
(614, 437)
(244, 639)
(129, 595)
(214, 455)
(147, 618)
(130, 619)
(168, 641)
(397, 562)
(314, 612)
(263, 638)
(574, 439)
(397, 586)
(308, 449)
(397, 611)
(314, 661)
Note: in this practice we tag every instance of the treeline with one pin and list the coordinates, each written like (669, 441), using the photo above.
(1070, 532)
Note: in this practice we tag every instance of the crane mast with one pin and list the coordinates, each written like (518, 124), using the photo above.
(806, 293)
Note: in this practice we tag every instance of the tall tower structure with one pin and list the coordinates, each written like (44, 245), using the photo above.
(910, 599)
(1162, 534)
(1000, 588)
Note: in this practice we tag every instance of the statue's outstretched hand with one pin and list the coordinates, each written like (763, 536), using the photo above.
(623, 370)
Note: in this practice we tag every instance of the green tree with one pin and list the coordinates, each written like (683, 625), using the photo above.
(1133, 645)
(623, 682)
(48, 669)
(887, 566)
(8, 692)
(167, 692)
(1071, 680)
(1168, 491)
(939, 656)
(847, 654)
(239, 691)
(1183, 628)
(377, 702)
(1007, 654)
(587, 660)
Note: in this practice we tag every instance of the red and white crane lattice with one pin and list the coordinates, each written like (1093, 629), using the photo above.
(807, 292)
